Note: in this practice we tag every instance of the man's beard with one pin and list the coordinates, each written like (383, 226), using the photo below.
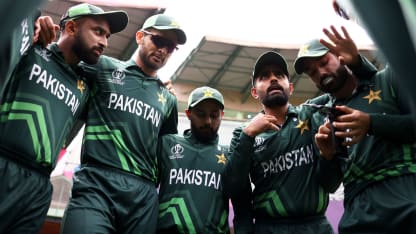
(276, 100)
(83, 52)
(204, 134)
(332, 84)
(147, 63)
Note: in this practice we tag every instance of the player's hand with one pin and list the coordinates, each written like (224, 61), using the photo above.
(168, 84)
(261, 123)
(45, 30)
(343, 46)
(352, 125)
(324, 141)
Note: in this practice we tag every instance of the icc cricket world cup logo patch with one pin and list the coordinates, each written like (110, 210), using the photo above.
(117, 76)
(258, 144)
(176, 151)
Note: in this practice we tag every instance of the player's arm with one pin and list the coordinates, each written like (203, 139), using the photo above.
(170, 125)
(356, 124)
(329, 167)
(242, 149)
(243, 211)
(74, 131)
(45, 31)
(346, 50)
(168, 84)
(238, 166)
(399, 127)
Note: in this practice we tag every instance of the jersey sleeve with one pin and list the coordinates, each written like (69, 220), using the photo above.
(237, 170)
(243, 212)
(398, 128)
(170, 126)
(365, 70)
(330, 173)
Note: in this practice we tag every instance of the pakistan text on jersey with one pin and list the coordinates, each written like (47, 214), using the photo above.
(56, 88)
(134, 106)
(295, 158)
(195, 177)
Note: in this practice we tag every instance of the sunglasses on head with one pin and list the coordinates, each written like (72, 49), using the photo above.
(161, 42)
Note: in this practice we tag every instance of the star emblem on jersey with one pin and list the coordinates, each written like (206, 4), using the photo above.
(80, 85)
(373, 95)
(208, 93)
(222, 159)
(303, 126)
(162, 98)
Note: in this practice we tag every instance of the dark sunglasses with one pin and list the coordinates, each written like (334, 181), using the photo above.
(161, 42)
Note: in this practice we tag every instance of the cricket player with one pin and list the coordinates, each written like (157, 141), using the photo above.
(115, 189)
(47, 93)
(276, 148)
(378, 174)
(191, 195)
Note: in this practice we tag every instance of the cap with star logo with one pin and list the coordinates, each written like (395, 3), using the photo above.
(311, 49)
(203, 93)
(117, 20)
(164, 22)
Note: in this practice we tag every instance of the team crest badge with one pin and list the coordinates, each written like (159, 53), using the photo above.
(303, 126)
(221, 159)
(161, 98)
(208, 93)
(373, 95)
(80, 85)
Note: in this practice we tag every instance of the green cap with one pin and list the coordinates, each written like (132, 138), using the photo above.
(311, 49)
(204, 93)
(268, 58)
(117, 20)
(164, 22)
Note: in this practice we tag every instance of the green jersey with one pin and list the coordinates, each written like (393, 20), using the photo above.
(15, 45)
(41, 103)
(388, 150)
(14, 12)
(127, 113)
(283, 167)
(191, 196)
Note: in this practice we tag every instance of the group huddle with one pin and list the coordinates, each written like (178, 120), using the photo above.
(139, 175)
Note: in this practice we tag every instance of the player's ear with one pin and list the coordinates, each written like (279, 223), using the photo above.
(188, 113)
(139, 37)
(254, 93)
(290, 88)
(70, 27)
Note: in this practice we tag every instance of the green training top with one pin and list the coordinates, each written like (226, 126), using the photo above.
(283, 167)
(127, 113)
(41, 103)
(190, 196)
(389, 150)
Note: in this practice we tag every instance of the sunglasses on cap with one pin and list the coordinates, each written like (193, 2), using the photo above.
(161, 42)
